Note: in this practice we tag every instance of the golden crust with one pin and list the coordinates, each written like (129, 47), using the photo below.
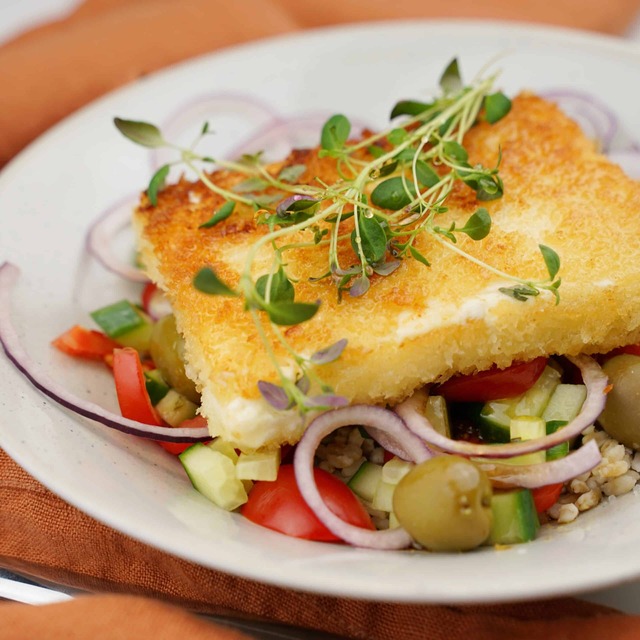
(421, 324)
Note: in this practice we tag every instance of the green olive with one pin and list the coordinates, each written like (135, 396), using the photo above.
(621, 415)
(167, 350)
(445, 504)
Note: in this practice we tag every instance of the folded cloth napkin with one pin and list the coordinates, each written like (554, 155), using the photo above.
(46, 74)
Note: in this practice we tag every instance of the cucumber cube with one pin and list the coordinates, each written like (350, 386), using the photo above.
(515, 519)
(214, 476)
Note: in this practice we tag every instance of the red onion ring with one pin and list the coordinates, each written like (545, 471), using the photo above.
(193, 114)
(101, 233)
(382, 420)
(10, 341)
(595, 381)
(595, 118)
(538, 475)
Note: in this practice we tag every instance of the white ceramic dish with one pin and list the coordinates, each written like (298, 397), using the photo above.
(51, 193)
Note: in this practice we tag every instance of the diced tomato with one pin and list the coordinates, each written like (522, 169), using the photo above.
(493, 384)
(131, 389)
(147, 295)
(178, 447)
(633, 349)
(279, 505)
(85, 343)
(545, 497)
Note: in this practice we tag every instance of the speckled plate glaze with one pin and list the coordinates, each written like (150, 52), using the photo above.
(50, 194)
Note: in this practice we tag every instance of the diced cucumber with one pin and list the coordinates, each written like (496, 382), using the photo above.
(214, 476)
(126, 324)
(396, 469)
(565, 403)
(224, 447)
(436, 412)
(515, 519)
(560, 450)
(534, 401)
(174, 408)
(527, 428)
(495, 420)
(258, 466)
(157, 388)
(118, 318)
(365, 481)
(383, 497)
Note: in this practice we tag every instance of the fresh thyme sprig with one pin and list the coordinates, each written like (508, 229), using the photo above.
(392, 187)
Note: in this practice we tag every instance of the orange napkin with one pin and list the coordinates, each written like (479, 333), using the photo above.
(45, 75)
(48, 73)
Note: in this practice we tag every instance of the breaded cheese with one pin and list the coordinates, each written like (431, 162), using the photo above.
(421, 324)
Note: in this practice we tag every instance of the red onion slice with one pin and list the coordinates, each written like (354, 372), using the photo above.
(231, 116)
(101, 235)
(593, 378)
(538, 475)
(382, 420)
(596, 119)
(9, 274)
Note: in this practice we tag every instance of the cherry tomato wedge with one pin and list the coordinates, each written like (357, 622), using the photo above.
(279, 505)
(545, 497)
(178, 447)
(85, 343)
(130, 387)
(493, 384)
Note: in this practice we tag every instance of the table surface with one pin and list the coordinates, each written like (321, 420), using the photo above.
(19, 15)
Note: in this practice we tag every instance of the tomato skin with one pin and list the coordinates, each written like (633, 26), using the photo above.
(545, 497)
(131, 389)
(176, 448)
(279, 505)
(493, 384)
(85, 343)
(633, 349)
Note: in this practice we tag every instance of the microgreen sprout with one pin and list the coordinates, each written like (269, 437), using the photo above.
(392, 188)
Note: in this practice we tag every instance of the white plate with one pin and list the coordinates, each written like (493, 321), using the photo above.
(50, 194)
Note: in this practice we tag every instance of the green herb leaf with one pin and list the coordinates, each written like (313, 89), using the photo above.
(397, 136)
(451, 81)
(520, 292)
(292, 172)
(281, 288)
(551, 260)
(205, 129)
(393, 193)
(418, 256)
(455, 150)
(376, 151)
(335, 132)
(426, 174)
(157, 183)
(143, 133)
(221, 214)
(290, 313)
(496, 107)
(386, 169)
(208, 282)
(478, 225)
(373, 238)
(489, 188)
(409, 108)
(250, 184)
